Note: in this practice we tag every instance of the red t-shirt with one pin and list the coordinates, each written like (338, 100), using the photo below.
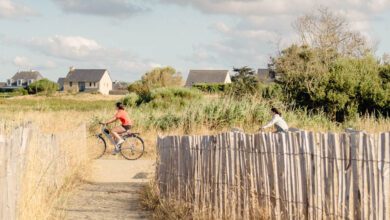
(122, 116)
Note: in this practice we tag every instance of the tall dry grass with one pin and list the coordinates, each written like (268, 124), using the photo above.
(54, 161)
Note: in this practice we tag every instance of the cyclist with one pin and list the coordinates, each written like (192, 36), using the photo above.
(126, 124)
(277, 120)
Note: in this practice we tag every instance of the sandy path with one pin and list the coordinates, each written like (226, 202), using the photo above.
(112, 191)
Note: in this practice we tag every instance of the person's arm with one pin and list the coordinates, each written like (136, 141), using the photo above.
(111, 120)
(272, 122)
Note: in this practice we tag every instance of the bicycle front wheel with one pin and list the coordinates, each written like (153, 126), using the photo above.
(132, 148)
(97, 147)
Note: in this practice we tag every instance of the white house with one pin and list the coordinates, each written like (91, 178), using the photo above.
(24, 78)
(88, 80)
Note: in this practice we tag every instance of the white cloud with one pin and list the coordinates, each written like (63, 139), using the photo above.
(22, 62)
(69, 47)
(265, 25)
(83, 52)
(10, 9)
(109, 8)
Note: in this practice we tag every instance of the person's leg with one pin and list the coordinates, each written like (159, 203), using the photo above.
(116, 133)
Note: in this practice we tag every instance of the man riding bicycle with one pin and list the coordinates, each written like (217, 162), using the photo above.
(125, 126)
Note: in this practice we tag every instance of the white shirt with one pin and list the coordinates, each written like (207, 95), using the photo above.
(278, 121)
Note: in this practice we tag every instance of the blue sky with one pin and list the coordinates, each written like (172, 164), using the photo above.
(129, 37)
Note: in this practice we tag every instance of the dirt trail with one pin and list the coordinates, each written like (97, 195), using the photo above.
(111, 192)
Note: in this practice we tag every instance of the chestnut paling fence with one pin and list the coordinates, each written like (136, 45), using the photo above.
(33, 165)
(305, 175)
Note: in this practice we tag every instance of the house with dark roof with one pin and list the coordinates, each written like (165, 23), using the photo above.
(208, 76)
(88, 80)
(119, 88)
(24, 78)
(266, 75)
(60, 83)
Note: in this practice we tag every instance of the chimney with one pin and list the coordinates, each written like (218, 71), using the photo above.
(71, 69)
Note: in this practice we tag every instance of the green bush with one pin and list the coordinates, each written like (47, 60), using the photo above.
(167, 122)
(244, 83)
(20, 91)
(44, 86)
(212, 87)
(342, 87)
(172, 96)
(131, 100)
(271, 91)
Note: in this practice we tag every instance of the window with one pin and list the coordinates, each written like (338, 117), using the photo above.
(90, 84)
(94, 84)
(70, 84)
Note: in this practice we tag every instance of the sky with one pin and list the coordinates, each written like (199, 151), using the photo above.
(130, 37)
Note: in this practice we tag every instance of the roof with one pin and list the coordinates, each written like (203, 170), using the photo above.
(120, 85)
(61, 80)
(263, 73)
(85, 75)
(26, 75)
(206, 76)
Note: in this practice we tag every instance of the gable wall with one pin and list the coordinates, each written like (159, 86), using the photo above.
(105, 84)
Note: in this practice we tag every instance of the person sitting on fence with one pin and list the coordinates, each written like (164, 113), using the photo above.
(120, 115)
(277, 120)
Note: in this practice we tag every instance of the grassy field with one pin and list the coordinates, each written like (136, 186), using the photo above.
(169, 112)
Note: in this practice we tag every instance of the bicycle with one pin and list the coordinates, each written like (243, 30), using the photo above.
(131, 149)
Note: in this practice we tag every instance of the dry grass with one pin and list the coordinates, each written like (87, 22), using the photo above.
(51, 173)
(52, 168)
(164, 209)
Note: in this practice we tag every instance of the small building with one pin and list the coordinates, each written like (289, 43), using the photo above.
(208, 76)
(88, 80)
(3, 84)
(119, 88)
(266, 75)
(60, 83)
(23, 79)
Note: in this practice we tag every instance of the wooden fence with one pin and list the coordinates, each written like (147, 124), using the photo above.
(32, 164)
(297, 175)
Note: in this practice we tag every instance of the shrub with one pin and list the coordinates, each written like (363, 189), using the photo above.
(342, 87)
(20, 91)
(244, 83)
(167, 122)
(212, 87)
(164, 97)
(43, 86)
(271, 91)
(131, 100)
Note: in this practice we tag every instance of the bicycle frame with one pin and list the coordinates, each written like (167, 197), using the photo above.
(106, 133)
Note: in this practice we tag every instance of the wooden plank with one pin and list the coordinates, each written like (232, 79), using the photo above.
(386, 173)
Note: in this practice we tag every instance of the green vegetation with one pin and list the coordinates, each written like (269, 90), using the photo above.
(244, 83)
(156, 78)
(53, 104)
(212, 87)
(335, 72)
(43, 86)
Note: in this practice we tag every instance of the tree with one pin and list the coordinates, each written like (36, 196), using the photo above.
(332, 69)
(331, 34)
(44, 86)
(162, 77)
(244, 82)
(156, 78)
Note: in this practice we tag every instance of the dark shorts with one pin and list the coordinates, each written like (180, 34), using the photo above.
(126, 127)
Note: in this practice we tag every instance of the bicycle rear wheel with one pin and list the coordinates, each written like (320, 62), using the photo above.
(132, 148)
(97, 147)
